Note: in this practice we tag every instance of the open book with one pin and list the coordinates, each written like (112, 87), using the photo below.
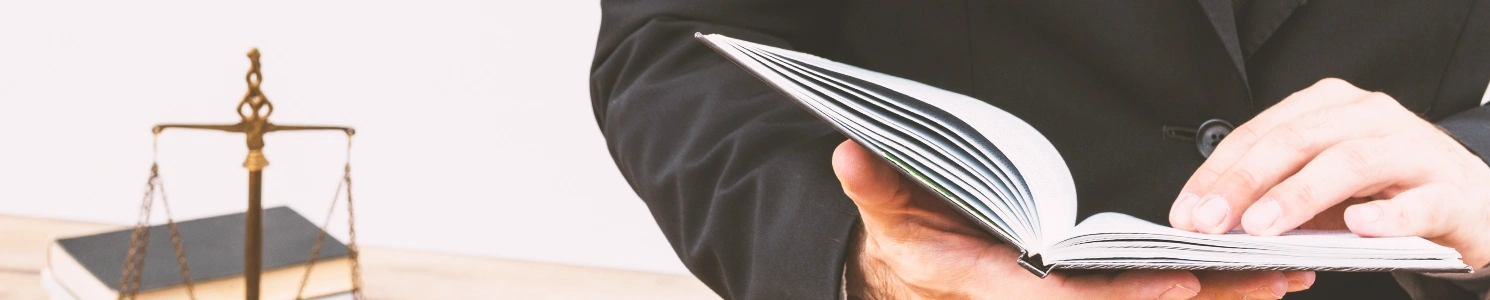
(1005, 176)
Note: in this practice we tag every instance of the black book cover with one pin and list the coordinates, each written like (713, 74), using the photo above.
(213, 246)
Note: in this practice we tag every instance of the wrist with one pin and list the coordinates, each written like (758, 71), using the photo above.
(855, 282)
(864, 272)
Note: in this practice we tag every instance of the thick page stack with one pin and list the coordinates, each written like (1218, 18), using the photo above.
(1005, 176)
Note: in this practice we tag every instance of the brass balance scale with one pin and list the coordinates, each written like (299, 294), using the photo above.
(254, 111)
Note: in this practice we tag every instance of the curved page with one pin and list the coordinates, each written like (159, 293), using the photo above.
(918, 144)
(933, 171)
(1023, 162)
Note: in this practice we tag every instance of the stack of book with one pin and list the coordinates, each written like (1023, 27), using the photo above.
(91, 267)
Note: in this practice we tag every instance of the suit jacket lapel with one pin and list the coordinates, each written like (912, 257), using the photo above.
(1260, 18)
(1223, 18)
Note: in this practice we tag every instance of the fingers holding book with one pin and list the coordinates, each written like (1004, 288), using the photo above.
(1306, 156)
(1233, 173)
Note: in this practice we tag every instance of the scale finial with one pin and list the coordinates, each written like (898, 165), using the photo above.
(257, 104)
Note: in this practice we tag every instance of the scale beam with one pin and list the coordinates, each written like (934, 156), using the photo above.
(273, 128)
(241, 127)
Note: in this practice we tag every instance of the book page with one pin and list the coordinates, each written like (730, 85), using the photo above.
(950, 181)
(855, 125)
(1114, 240)
(949, 153)
(1117, 223)
(1032, 157)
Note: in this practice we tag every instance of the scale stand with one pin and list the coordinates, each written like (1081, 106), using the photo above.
(254, 111)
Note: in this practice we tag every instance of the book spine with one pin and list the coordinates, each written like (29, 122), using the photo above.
(1033, 264)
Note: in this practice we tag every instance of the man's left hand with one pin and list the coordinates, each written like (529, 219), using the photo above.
(1332, 142)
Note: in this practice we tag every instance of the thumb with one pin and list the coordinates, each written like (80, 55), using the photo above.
(871, 183)
(890, 204)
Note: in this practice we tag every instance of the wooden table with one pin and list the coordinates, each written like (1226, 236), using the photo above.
(388, 273)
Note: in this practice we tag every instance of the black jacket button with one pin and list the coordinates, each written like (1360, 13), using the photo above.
(1210, 134)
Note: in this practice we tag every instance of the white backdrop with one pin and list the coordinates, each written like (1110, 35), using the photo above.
(475, 133)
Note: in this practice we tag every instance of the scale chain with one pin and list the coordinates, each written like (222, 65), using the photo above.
(129, 283)
(176, 241)
(134, 260)
(315, 252)
(353, 250)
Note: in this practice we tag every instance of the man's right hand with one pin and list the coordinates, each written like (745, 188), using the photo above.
(913, 246)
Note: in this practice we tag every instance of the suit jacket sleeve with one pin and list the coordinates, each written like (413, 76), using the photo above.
(738, 178)
(1472, 128)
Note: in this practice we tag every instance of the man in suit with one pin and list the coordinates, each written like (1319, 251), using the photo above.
(762, 201)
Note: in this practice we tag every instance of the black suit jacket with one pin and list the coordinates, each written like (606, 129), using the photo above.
(739, 180)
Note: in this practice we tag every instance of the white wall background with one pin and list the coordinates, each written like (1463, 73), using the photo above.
(475, 133)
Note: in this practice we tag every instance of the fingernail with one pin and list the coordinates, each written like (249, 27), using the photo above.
(1179, 215)
(1262, 215)
(1211, 211)
(1367, 213)
(1296, 285)
(1178, 292)
(1298, 281)
(1186, 199)
(1266, 293)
